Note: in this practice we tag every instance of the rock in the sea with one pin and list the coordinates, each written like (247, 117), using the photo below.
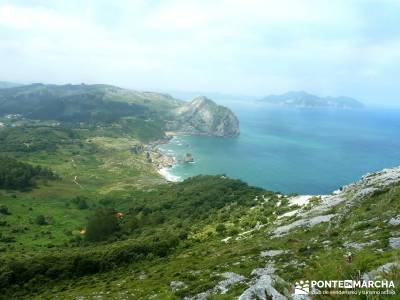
(188, 158)
(204, 116)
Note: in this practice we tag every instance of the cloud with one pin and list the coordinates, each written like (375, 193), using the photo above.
(246, 46)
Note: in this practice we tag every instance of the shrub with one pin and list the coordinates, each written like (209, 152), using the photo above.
(40, 220)
(80, 202)
(234, 231)
(102, 225)
(220, 228)
(7, 239)
(4, 210)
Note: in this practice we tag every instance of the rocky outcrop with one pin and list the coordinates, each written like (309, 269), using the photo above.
(349, 195)
(203, 116)
(262, 286)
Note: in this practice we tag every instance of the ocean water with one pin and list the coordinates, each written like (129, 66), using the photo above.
(295, 150)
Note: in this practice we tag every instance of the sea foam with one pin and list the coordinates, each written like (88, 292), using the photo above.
(165, 172)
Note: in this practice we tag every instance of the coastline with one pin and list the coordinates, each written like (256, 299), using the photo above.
(164, 172)
(162, 161)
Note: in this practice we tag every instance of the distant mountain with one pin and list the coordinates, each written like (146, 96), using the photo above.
(6, 84)
(303, 99)
(204, 116)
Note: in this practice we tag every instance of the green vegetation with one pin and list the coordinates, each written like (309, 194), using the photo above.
(140, 233)
(72, 103)
(102, 225)
(65, 108)
(80, 202)
(132, 237)
(4, 210)
(31, 139)
(41, 220)
(22, 176)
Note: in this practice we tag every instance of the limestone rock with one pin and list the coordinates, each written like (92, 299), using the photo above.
(203, 116)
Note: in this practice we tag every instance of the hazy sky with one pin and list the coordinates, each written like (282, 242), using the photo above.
(253, 47)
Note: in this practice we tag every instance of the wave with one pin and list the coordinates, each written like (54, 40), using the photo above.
(165, 172)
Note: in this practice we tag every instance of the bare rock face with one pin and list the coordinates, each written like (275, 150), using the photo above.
(204, 117)
(395, 221)
(394, 242)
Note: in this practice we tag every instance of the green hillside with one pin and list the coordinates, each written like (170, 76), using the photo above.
(80, 103)
(84, 213)
(184, 239)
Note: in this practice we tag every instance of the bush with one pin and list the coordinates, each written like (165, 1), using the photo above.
(40, 220)
(234, 231)
(7, 239)
(220, 228)
(80, 202)
(41, 267)
(102, 225)
(4, 210)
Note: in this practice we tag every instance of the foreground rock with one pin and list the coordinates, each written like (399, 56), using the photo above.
(262, 286)
(350, 195)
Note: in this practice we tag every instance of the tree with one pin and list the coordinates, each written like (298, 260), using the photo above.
(22, 176)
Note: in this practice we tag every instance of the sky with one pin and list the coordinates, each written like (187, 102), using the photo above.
(246, 47)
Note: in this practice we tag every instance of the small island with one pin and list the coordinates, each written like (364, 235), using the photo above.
(304, 99)
(188, 158)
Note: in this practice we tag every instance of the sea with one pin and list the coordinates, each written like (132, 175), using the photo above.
(294, 150)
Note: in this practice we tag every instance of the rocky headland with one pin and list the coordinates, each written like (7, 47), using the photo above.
(202, 116)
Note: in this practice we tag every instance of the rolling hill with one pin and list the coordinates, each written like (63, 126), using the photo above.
(107, 104)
